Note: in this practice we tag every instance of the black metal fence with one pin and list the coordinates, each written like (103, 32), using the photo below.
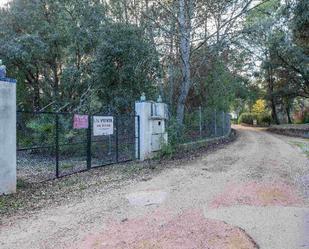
(49, 146)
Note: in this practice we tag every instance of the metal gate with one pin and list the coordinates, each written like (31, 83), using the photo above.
(117, 147)
(49, 146)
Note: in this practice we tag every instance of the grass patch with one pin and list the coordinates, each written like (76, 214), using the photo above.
(82, 186)
(2, 203)
(8, 203)
(303, 146)
(67, 166)
(132, 169)
(21, 184)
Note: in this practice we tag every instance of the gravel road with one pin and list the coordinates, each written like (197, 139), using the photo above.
(253, 193)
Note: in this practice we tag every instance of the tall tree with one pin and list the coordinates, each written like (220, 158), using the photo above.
(46, 44)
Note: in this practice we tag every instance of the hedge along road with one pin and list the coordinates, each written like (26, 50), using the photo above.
(249, 194)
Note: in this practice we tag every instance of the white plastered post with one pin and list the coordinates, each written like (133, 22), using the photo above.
(149, 137)
(7, 136)
(143, 110)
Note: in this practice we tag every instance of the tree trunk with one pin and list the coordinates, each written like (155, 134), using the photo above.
(170, 69)
(184, 20)
(126, 16)
(288, 113)
(170, 83)
(273, 110)
(36, 97)
(56, 85)
(271, 96)
(289, 116)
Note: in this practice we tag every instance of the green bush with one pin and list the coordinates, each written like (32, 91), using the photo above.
(167, 151)
(234, 121)
(39, 131)
(175, 137)
(262, 119)
(247, 118)
(175, 132)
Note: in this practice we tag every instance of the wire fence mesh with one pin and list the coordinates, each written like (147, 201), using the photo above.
(48, 145)
(199, 123)
(119, 147)
(36, 157)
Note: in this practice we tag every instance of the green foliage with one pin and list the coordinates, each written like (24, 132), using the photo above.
(46, 46)
(216, 87)
(300, 25)
(221, 86)
(35, 130)
(90, 56)
(261, 118)
(247, 118)
(175, 132)
(41, 125)
(234, 121)
(264, 119)
(279, 40)
(125, 67)
(167, 151)
(39, 130)
(175, 137)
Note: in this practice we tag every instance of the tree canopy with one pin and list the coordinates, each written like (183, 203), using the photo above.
(93, 55)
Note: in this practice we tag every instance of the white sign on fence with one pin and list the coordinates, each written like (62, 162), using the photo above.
(103, 125)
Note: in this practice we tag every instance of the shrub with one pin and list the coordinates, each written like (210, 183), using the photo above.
(262, 118)
(234, 121)
(39, 131)
(247, 118)
(167, 151)
(175, 132)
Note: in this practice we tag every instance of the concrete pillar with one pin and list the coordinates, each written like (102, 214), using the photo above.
(152, 133)
(143, 110)
(7, 136)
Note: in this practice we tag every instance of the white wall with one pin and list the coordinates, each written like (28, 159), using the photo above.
(7, 136)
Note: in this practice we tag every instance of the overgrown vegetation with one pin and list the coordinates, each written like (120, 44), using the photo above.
(259, 115)
(100, 56)
(276, 35)
(250, 118)
(106, 57)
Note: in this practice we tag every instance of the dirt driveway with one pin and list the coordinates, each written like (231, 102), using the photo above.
(251, 194)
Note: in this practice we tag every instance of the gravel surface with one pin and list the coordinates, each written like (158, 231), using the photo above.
(186, 205)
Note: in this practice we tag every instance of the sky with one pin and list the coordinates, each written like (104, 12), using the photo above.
(3, 2)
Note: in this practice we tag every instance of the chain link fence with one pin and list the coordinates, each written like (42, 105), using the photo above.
(48, 145)
(199, 123)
